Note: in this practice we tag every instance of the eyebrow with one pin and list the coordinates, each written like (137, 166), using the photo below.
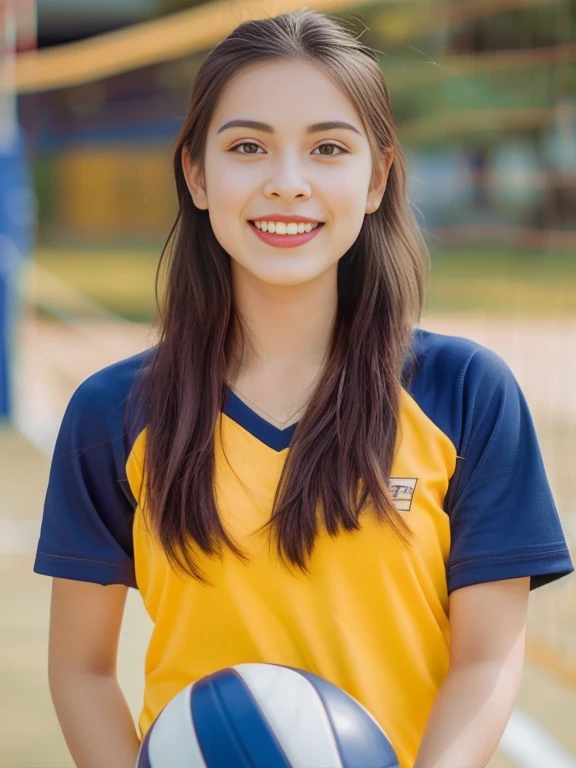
(255, 125)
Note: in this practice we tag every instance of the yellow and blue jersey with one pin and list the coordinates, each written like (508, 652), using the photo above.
(371, 615)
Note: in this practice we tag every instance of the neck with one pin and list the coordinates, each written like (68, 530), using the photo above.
(285, 325)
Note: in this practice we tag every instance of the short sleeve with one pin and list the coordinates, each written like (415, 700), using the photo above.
(86, 531)
(503, 519)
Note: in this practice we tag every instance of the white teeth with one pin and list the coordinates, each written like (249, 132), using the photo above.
(281, 228)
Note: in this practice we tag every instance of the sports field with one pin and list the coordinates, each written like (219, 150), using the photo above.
(55, 354)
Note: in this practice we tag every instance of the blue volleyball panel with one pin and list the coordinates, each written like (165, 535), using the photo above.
(143, 754)
(361, 742)
(230, 726)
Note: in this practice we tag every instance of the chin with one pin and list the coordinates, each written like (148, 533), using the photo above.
(287, 278)
(288, 272)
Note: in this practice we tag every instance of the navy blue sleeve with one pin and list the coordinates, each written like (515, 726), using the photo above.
(86, 531)
(503, 520)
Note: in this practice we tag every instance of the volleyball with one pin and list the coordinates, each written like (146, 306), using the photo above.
(264, 716)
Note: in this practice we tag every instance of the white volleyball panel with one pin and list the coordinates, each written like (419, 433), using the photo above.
(173, 740)
(295, 713)
(371, 716)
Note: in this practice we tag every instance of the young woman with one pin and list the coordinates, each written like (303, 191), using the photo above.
(296, 474)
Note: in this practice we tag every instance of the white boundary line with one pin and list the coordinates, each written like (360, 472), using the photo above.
(530, 746)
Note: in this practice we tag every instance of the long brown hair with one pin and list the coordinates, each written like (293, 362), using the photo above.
(342, 450)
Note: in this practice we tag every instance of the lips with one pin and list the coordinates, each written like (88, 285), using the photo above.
(286, 241)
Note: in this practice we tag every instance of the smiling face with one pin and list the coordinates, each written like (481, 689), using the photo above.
(304, 155)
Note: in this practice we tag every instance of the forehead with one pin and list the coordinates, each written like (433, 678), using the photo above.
(286, 94)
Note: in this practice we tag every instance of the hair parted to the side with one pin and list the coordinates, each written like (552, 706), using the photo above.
(341, 453)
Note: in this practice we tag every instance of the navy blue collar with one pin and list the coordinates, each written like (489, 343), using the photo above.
(242, 414)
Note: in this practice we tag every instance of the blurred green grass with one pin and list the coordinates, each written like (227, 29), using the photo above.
(503, 282)
(462, 281)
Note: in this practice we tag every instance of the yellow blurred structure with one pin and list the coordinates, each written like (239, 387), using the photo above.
(151, 42)
(114, 190)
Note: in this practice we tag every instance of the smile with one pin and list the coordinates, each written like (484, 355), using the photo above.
(284, 235)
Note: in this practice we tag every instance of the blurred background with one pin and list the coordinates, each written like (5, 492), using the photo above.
(92, 95)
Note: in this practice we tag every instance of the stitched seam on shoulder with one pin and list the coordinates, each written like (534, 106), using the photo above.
(514, 556)
(86, 560)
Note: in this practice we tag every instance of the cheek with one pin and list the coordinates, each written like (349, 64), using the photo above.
(225, 194)
(226, 234)
(347, 193)
(349, 209)
(225, 206)
(231, 177)
(225, 187)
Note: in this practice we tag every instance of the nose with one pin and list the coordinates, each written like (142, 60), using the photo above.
(287, 181)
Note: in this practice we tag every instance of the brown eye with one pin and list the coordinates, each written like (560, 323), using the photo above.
(245, 144)
(331, 146)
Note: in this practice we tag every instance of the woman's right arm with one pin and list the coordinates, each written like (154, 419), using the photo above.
(85, 623)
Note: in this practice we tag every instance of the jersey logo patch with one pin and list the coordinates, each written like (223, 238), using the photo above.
(402, 490)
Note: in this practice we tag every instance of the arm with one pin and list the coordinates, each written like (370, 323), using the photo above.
(488, 627)
(85, 622)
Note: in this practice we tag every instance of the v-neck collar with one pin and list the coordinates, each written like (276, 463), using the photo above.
(269, 434)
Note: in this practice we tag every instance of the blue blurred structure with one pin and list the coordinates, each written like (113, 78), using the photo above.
(16, 228)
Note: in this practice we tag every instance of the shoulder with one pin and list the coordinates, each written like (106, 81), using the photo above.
(503, 520)
(439, 357)
(109, 388)
(112, 384)
(454, 379)
(99, 409)
(86, 529)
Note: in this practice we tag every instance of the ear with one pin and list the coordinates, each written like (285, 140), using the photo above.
(379, 181)
(194, 176)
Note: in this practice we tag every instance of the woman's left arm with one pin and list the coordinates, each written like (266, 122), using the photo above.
(488, 631)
